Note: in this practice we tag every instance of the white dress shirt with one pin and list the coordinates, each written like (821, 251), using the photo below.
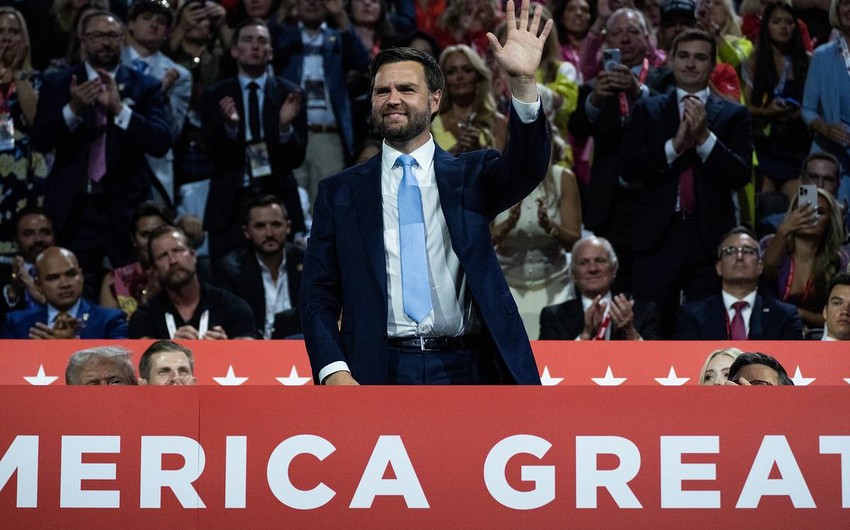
(276, 294)
(452, 314)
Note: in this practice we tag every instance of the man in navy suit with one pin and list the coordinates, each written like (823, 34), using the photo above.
(597, 313)
(101, 118)
(65, 315)
(256, 129)
(689, 150)
(266, 271)
(738, 312)
(401, 245)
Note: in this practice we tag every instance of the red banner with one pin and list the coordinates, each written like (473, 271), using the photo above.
(594, 363)
(209, 457)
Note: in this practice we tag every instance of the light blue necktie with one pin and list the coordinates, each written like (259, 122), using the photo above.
(415, 285)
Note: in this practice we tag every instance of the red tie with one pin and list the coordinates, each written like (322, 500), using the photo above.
(739, 330)
(686, 187)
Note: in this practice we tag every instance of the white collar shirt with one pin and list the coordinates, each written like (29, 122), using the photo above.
(276, 294)
(746, 312)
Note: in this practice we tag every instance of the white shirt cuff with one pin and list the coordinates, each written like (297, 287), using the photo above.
(122, 119)
(670, 153)
(704, 150)
(71, 120)
(338, 366)
(527, 112)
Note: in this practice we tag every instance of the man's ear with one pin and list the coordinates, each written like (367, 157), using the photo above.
(288, 227)
(245, 232)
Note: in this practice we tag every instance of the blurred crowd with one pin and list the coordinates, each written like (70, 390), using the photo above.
(159, 160)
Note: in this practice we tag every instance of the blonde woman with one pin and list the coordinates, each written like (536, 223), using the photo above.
(468, 119)
(715, 370)
(718, 18)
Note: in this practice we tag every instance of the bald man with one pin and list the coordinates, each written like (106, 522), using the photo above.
(65, 315)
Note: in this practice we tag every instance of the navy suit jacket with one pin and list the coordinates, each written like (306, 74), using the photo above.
(566, 320)
(229, 154)
(728, 168)
(345, 268)
(128, 180)
(240, 273)
(341, 51)
(770, 320)
(98, 322)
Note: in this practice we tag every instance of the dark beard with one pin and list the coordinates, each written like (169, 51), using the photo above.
(108, 65)
(418, 122)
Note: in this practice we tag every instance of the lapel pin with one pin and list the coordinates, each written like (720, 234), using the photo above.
(300, 267)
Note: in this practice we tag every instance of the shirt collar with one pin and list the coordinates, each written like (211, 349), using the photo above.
(261, 81)
(281, 269)
(728, 300)
(702, 94)
(52, 312)
(424, 155)
(586, 302)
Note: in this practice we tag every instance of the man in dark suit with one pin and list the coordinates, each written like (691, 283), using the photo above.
(738, 312)
(401, 244)
(65, 314)
(604, 106)
(101, 119)
(266, 272)
(596, 314)
(691, 150)
(256, 129)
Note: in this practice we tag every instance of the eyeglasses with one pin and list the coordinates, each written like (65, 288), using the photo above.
(733, 251)
(99, 36)
(820, 180)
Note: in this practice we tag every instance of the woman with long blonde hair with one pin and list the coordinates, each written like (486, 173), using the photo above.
(468, 118)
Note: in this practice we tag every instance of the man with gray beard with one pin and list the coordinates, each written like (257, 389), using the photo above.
(187, 308)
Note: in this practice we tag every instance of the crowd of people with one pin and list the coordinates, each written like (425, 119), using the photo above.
(160, 159)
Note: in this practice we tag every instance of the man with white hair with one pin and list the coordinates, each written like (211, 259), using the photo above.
(596, 313)
(104, 365)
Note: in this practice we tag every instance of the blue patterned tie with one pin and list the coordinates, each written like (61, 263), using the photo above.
(415, 285)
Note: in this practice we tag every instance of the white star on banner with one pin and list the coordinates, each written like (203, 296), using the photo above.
(672, 379)
(40, 379)
(292, 379)
(609, 379)
(230, 379)
(548, 380)
(799, 380)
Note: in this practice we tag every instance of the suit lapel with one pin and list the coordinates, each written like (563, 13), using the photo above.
(448, 173)
(365, 191)
(718, 327)
(758, 318)
(271, 110)
(255, 290)
(293, 275)
(712, 109)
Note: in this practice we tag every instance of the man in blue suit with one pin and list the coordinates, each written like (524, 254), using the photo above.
(101, 118)
(65, 315)
(401, 245)
(739, 312)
